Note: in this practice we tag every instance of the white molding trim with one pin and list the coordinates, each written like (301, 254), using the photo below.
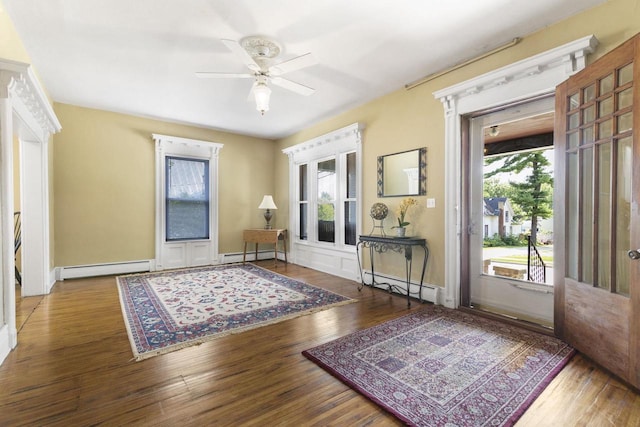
(207, 249)
(25, 113)
(526, 79)
(106, 269)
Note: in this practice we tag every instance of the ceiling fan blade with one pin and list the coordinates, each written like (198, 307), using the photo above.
(292, 86)
(212, 75)
(297, 63)
(239, 51)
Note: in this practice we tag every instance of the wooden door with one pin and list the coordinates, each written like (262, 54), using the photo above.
(597, 289)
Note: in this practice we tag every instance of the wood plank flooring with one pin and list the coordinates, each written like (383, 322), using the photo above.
(73, 366)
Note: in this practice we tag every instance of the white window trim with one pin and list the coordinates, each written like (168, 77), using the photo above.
(338, 258)
(173, 146)
(526, 79)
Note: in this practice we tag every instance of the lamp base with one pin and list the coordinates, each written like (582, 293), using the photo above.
(267, 217)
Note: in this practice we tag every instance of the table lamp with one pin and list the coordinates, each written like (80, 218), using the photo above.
(267, 203)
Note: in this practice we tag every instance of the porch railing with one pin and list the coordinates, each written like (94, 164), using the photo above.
(536, 268)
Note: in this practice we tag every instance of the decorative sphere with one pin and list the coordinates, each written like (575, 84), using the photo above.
(379, 211)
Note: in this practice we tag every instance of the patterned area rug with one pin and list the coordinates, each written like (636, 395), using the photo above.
(442, 367)
(169, 310)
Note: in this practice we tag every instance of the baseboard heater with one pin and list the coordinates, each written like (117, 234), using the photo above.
(79, 271)
(430, 293)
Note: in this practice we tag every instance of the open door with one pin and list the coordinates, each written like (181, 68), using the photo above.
(597, 280)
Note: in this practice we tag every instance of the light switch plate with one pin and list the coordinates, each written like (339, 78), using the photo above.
(431, 203)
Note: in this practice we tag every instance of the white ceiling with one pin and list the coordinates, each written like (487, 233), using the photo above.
(139, 56)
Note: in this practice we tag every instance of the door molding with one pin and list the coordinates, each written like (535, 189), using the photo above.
(525, 79)
(26, 114)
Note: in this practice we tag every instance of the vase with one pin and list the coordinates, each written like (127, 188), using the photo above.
(400, 231)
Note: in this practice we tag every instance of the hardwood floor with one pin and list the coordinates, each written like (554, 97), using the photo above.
(73, 366)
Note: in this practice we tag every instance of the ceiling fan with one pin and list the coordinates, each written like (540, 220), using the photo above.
(257, 53)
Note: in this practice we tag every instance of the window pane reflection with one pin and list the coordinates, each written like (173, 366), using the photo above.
(623, 214)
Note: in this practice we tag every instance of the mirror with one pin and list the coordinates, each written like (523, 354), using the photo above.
(403, 174)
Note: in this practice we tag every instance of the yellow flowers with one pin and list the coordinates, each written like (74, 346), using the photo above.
(401, 211)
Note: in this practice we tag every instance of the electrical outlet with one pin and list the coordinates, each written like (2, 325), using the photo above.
(431, 203)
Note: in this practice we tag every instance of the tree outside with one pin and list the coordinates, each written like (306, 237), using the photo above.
(531, 198)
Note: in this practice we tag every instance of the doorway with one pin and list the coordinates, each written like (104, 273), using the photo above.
(509, 154)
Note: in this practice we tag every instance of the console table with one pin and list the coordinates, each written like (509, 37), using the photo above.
(262, 235)
(382, 244)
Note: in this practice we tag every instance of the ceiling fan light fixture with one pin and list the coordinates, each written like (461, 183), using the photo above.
(262, 93)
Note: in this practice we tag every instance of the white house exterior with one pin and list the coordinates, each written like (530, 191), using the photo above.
(498, 217)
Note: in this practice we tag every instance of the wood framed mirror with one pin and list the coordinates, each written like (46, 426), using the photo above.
(403, 173)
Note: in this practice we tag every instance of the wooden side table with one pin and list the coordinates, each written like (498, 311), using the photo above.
(261, 235)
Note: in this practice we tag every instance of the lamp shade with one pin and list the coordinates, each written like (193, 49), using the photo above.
(262, 93)
(267, 203)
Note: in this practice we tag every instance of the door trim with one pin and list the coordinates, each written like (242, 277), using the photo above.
(25, 113)
(529, 78)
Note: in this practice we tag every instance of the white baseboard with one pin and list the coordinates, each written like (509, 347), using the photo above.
(235, 257)
(5, 342)
(79, 271)
(430, 293)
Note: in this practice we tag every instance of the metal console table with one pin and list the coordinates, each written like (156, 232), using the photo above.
(382, 244)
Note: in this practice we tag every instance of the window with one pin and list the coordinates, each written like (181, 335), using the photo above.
(333, 202)
(326, 184)
(187, 198)
(186, 213)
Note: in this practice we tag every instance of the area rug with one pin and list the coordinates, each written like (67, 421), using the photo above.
(442, 367)
(166, 311)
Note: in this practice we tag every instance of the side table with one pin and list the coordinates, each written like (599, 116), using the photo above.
(261, 235)
(404, 245)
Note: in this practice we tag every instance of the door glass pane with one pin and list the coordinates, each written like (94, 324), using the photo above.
(589, 93)
(574, 102)
(187, 199)
(606, 107)
(625, 74)
(587, 135)
(604, 216)
(586, 208)
(625, 122)
(572, 212)
(605, 130)
(623, 214)
(625, 98)
(326, 198)
(572, 140)
(589, 114)
(574, 121)
(606, 84)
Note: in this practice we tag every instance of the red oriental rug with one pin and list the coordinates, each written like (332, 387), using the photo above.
(443, 367)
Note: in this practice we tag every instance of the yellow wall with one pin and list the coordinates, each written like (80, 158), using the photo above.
(408, 119)
(11, 48)
(10, 44)
(103, 163)
(104, 172)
